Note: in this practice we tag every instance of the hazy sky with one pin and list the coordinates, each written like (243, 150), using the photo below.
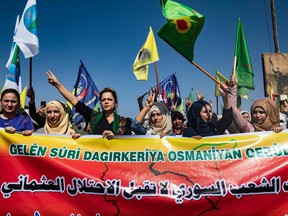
(107, 36)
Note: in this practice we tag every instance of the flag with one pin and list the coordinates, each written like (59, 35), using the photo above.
(219, 77)
(23, 97)
(170, 91)
(86, 91)
(270, 91)
(191, 96)
(13, 77)
(180, 108)
(244, 70)
(182, 28)
(27, 34)
(9, 62)
(68, 103)
(147, 55)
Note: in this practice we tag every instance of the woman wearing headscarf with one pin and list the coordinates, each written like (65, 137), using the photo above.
(159, 119)
(264, 115)
(57, 120)
(202, 122)
(246, 115)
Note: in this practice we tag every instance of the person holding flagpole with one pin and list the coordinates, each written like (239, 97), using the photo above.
(106, 123)
(201, 122)
(38, 116)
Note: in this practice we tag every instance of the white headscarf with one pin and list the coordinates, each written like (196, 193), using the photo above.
(248, 113)
(166, 124)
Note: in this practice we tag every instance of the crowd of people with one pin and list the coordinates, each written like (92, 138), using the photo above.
(154, 117)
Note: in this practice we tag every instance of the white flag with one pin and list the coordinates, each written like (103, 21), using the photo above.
(8, 64)
(26, 35)
(13, 77)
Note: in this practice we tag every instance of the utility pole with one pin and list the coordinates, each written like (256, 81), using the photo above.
(274, 24)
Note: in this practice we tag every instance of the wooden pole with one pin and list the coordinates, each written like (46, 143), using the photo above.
(274, 25)
(205, 72)
(30, 73)
(217, 110)
(209, 75)
(157, 78)
(234, 73)
(234, 66)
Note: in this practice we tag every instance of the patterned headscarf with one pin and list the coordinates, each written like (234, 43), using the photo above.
(63, 125)
(272, 114)
(166, 124)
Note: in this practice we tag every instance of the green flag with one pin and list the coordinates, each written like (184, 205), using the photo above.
(244, 70)
(182, 28)
(192, 95)
(220, 78)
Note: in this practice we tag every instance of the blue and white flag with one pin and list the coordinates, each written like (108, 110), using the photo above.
(13, 77)
(86, 91)
(27, 34)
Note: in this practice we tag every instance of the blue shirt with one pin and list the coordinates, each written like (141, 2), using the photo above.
(19, 122)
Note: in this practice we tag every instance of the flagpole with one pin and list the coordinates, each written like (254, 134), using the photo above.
(157, 78)
(274, 25)
(30, 73)
(234, 66)
(205, 72)
(234, 73)
(217, 110)
(140, 99)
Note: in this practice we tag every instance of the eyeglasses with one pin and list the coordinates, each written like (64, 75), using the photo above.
(11, 101)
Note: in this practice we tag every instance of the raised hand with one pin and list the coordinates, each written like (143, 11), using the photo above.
(199, 95)
(150, 100)
(31, 94)
(173, 107)
(52, 79)
(188, 103)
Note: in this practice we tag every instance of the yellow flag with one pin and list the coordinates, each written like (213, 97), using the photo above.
(220, 78)
(270, 91)
(3, 88)
(147, 55)
(68, 103)
(181, 106)
(23, 97)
